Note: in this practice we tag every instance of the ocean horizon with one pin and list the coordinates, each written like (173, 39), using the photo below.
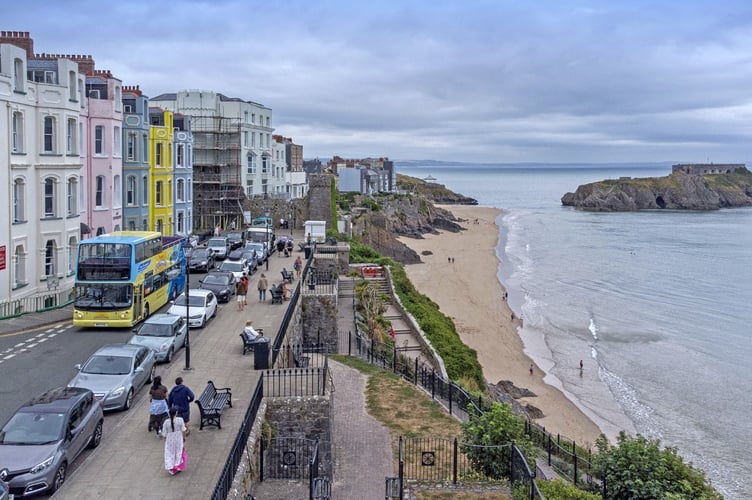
(655, 303)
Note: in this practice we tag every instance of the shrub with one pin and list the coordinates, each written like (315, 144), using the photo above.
(561, 490)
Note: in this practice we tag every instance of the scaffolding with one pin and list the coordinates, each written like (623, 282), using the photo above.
(217, 176)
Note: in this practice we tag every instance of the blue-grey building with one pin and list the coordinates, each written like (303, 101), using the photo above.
(183, 172)
(136, 172)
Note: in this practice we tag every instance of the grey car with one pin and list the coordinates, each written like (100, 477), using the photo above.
(40, 441)
(115, 372)
(163, 333)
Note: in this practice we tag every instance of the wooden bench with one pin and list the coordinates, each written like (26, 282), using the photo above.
(287, 275)
(211, 403)
(248, 342)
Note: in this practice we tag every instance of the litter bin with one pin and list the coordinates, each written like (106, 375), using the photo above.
(307, 252)
(261, 354)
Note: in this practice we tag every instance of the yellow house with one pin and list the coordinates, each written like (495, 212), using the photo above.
(160, 163)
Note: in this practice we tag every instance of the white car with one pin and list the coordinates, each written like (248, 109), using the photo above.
(236, 267)
(201, 307)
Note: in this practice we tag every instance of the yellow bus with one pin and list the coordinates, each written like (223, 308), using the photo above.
(124, 276)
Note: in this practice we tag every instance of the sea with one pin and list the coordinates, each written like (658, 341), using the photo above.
(657, 305)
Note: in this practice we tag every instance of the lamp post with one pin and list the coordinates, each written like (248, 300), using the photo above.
(269, 250)
(290, 223)
(187, 316)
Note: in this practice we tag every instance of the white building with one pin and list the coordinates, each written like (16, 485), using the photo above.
(40, 137)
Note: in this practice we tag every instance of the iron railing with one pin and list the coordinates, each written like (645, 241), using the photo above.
(41, 302)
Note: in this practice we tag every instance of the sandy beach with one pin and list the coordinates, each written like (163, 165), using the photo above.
(468, 291)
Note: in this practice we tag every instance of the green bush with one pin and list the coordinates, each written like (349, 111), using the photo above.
(561, 490)
(637, 468)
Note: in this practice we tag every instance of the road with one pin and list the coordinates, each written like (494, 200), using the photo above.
(32, 362)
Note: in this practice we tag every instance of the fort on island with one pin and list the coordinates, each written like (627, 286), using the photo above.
(706, 168)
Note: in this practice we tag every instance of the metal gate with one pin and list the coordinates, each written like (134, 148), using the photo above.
(286, 458)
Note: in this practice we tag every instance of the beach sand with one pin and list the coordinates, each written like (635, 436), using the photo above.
(468, 290)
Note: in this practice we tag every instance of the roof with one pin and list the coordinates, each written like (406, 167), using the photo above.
(162, 319)
(117, 349)
(56, 399)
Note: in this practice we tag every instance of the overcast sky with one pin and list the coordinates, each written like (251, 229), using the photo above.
(481, 81)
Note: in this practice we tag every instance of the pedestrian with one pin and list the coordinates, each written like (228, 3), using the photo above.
(158, 409)
(298, 266)
(240, 294)
(449, 260)
(582, 367)
(262, 286)
(531, 368)
(250, 331)
(181, 397)
(452, 260)
(392, 333)
(174, 431)
(245, 281)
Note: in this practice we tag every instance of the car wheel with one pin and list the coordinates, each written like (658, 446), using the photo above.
(170, 353)
(203, 322)
(96, 437)
(128, 401)
(59, 479)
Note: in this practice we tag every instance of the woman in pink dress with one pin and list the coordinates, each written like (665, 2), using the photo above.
(173, 429)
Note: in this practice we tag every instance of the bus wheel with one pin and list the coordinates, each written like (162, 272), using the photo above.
(146, 311)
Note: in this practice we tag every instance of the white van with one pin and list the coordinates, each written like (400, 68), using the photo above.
(261, 235)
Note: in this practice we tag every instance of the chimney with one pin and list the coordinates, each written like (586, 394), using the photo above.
(19, 39)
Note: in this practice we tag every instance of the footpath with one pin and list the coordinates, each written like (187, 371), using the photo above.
(129, 463)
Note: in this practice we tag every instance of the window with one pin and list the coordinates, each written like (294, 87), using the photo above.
(82, 192)
(130, 192)
(253, 117)
(158, 154)
(180, 155)
(19, 268)
(130, 146)
(19, 195)
(72, 196)
(144, 148)
(245, 114)
(50, 258)
(49, 134)
(252, 164)
(159, 226)
(72, 85)
(49, 197)
(72, 247)
(117, 196)
(189, 190)
(81, 87)
(180, 191)
(131, 224)
(245, 138)
(268, 122)
(99, 140)
(158, 193)
(116, 142)
(253, 139)
(145, 194)
(17, 142)
(99, 192)
(265, 164)
(71, 136)
(181, 222)
(18, 75)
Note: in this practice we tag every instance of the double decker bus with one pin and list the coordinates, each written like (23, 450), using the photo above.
(124, 276)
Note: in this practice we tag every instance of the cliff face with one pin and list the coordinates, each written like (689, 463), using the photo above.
(677, 191)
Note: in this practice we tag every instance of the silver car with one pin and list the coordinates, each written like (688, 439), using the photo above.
(115, 372)
(163, 333)
(45, 435)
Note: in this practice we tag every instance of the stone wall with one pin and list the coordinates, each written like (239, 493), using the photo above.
(320, 198)
(320, 320)
(305, 417)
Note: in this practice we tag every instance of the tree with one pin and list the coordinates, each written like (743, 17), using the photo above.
(637, 468)
(488, 438)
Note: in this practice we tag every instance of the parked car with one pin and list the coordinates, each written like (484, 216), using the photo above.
(220, 247)
(235, 238)
(115, 373)
(202, 306)
(248, 254)
(45, 435)
(222, 283)
(202, 259)
(262, 222)
(236, 267)
(163, 333)
(261, 250)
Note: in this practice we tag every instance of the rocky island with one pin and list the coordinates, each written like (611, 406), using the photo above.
(688, 187)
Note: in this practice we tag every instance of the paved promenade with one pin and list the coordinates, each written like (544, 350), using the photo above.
(129, 461)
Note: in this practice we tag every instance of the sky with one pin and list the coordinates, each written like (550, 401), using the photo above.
(497, 81)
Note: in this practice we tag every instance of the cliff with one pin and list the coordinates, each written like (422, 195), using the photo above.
(436, 193)
(678, 191)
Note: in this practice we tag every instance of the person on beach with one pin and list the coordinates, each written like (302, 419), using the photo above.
(180, 398)
(174, 431)
(582, 367)
(531, 369)
(263, 284)
(158, 409)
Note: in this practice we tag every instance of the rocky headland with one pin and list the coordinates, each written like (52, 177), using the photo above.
(678, 191)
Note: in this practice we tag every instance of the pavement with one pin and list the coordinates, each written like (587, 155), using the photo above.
(129, 461)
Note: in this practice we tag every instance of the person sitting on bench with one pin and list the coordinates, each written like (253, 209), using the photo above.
(250, 331)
